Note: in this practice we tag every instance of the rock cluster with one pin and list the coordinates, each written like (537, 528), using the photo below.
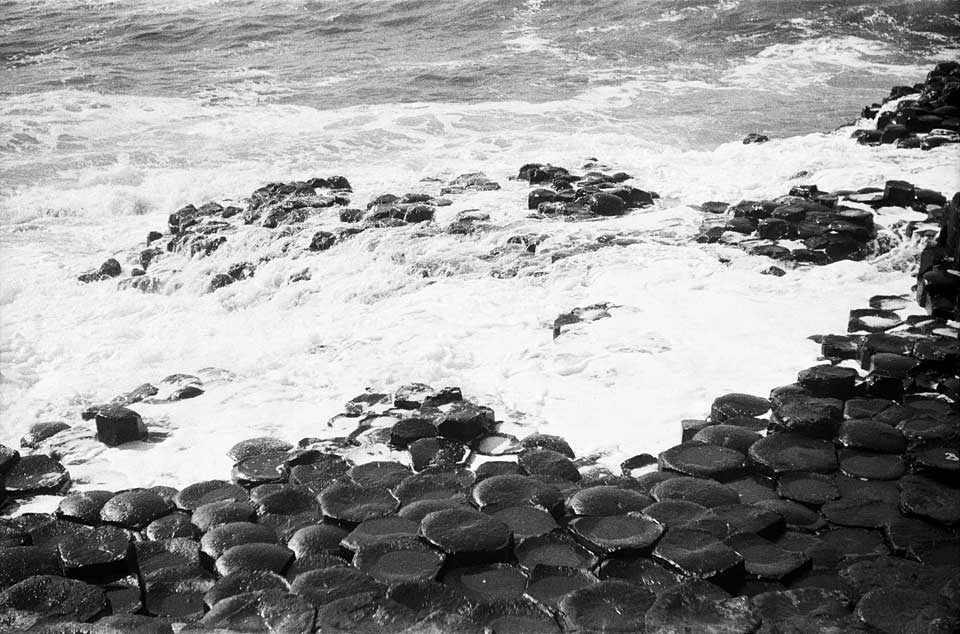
(924, 116)
(571, 197)
(811, 226)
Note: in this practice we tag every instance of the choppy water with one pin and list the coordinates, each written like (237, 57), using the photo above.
(112, 114)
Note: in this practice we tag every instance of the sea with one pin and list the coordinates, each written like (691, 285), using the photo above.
(113, 114)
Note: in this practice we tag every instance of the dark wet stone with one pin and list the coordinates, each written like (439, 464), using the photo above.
(783, 452)
(754, 487)
(379, 529)
(257, 446)
(276, 502)
(872, 436)
(325, 469)
(804, 611)
(547, 584)
(135, 509)
(466, 421)
(547, 441)
(440, 453)
(923, 429)
(857, 408)
(618, 534)
(494, 582)
(872, 320)
(416, 511)
(606, 500)
(262, 468)
(200, 493)
(646, 481)
(811, 416)
(873, 573)
(411, 429)
(39, 432)
(885, 491)
(320, 561)
(272, 611)
(95, 550)
(316, 539)
(36, 474)
(214, 514)
(794, 514)
(915, 537)
(352, 503)
(254, 556)
(553, 549)
(226, 536)
(165, 558)
(83, 506)
(902, 610)
(635, 465)
(746, 518)
(466, 532)
(764, 559)
(822, 555)
(929, 499)
(20, 562)
(640, 571)
(704, 492)
(440, 485)
(180, 598)
(937, 459)
(735, 405)
(514, 490)
(675, 513)
(46, 599)
(855, 542)
(702, 460)
(8, 457)
(870, 465)
(832, 381)
(382, 474)
(176, 524)
(808, 488)
(730, 436)
(412, 395)
(323, 586)
(526, 521)
(698, 606)
(697, 554)
(117, 425)
(839, 346)
(397, 560)
(608, 606)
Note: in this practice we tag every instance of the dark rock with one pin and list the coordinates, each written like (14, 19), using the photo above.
(352, 503)
(872, 320)
(774, 271)
(811, 416)
(316, 539)
(496, 445)
(488, 584)
(872, 436)
(829, 381)
(606, 500)
(264, 468)
(445, 484)
(927, 498)
(794, 514)
(736, 405)
(257, 446)
(176, 524)
(698, 554)
(466, 421)
(320, 587)
(95, 551)
(753, 488)
(135, 509)
(604, 204)
(549, 463)
(416, 511)
(466, 533)
(36, 474)
(20, 562)
(618, 534)
(117, 425)
(410, 430)
(401, 559)
(775, 229)
(702, 460)
(322, 240)
(514, 490)
(380, 529)
(608, 606)
(764, 559)
(675, 513)
(254, 556)
(201, 493)
(547, 441)
(273, 611)
(698, 606)
(39, 432)
(214, 514)
(745, 518)
(913, 537)
(855, 542)
(732, 437)
(412, 395)
(704, 492)
(380, 474)
(220, 539)
(553, 549)
(814, 489)
(640, 571)
(824, 557)
(899, 193)
(783, 452)
(526, 521)
(870, 465)
(755, 137)
(243, 582)
(900, 610)
(44, 599)
(802, 611)
(547, 584)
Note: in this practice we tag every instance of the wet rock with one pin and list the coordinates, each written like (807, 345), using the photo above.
(872, 320)
(379, 474)
(214, 514)
(872, 436)
(814, 489)
(929, 499)
(254, 556)
(45, 599)
(547, 584)
(39, 432)
(606, 500)
(618, 534)
(465, 422)
(263, 468)
(870, 465)
(755, 137)
(316, 539)
(697, 606)
(829, 381)
(855, 542)
(410, 430)
(440, 485)
(702, 460)
(514, 490)
(218, 540)
(176, 524)
(901, 610)
(795, 515)
(466, 533)
(736, 405)
(20, 562)
(784, 452)
(764, 559)
(179, 599)
(549, 463)
(243, 582)
(745, 518)
(704, 492)
(257, 446)
(321, 587)
(380, 529)
(604, 204)
(83, 506)
(675, 513)
(730, 436)
(553, 549)
(608, 606)
(400, 559)
(753, 488)
(496, 445)
(803, 610)
(36, 474)
(267, 611)
(135, 509)
(641, 571)
(416, 511)
(698, 554)
(811, 416)
(489, 583)
(547, 441)
(117, 425)
(412, 395)
(95, 551)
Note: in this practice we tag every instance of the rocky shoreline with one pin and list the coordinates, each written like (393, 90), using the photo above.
(830, 505)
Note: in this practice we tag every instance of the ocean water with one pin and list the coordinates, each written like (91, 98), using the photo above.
(114, 113)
